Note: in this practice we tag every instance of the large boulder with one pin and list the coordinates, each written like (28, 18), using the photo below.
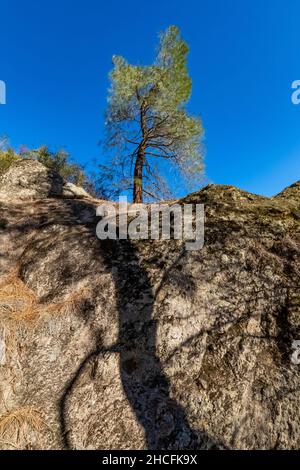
(141, 344)
(292, 193)
(28, 179)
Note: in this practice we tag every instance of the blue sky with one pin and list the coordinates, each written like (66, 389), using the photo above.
(244, 55)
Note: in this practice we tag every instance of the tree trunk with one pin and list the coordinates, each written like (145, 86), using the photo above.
(140, 157)
(138, 177)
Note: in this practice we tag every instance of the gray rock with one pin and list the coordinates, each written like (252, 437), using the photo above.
(141, 344)
(2, 351)
(71, 190)
(28, 179)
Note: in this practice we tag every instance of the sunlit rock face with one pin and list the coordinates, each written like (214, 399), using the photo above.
(28, 179)
(291, 194)
(141, 344)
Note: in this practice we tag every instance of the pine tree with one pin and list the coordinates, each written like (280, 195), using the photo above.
(147, 120)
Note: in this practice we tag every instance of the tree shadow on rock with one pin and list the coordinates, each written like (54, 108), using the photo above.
(145, 384)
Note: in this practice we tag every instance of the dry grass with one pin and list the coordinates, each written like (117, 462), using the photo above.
(20, 303)
(71, 303)
(15, 426)
(16, 299)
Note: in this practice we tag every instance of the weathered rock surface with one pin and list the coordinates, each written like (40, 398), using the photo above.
(28, 179)
(132, 345)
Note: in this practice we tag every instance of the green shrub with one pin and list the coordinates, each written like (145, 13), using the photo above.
(7, 157)
(58, 161)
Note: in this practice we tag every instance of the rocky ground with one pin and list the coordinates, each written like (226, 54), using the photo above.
(142, 344)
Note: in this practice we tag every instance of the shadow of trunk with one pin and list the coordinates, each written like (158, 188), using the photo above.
(145, 384)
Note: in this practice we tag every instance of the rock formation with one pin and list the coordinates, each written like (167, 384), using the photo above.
(29, 179)
(141, 344)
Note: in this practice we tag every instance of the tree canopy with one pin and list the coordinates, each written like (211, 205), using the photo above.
(147, 121)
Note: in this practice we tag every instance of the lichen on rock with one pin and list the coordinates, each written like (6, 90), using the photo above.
(142, 344)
